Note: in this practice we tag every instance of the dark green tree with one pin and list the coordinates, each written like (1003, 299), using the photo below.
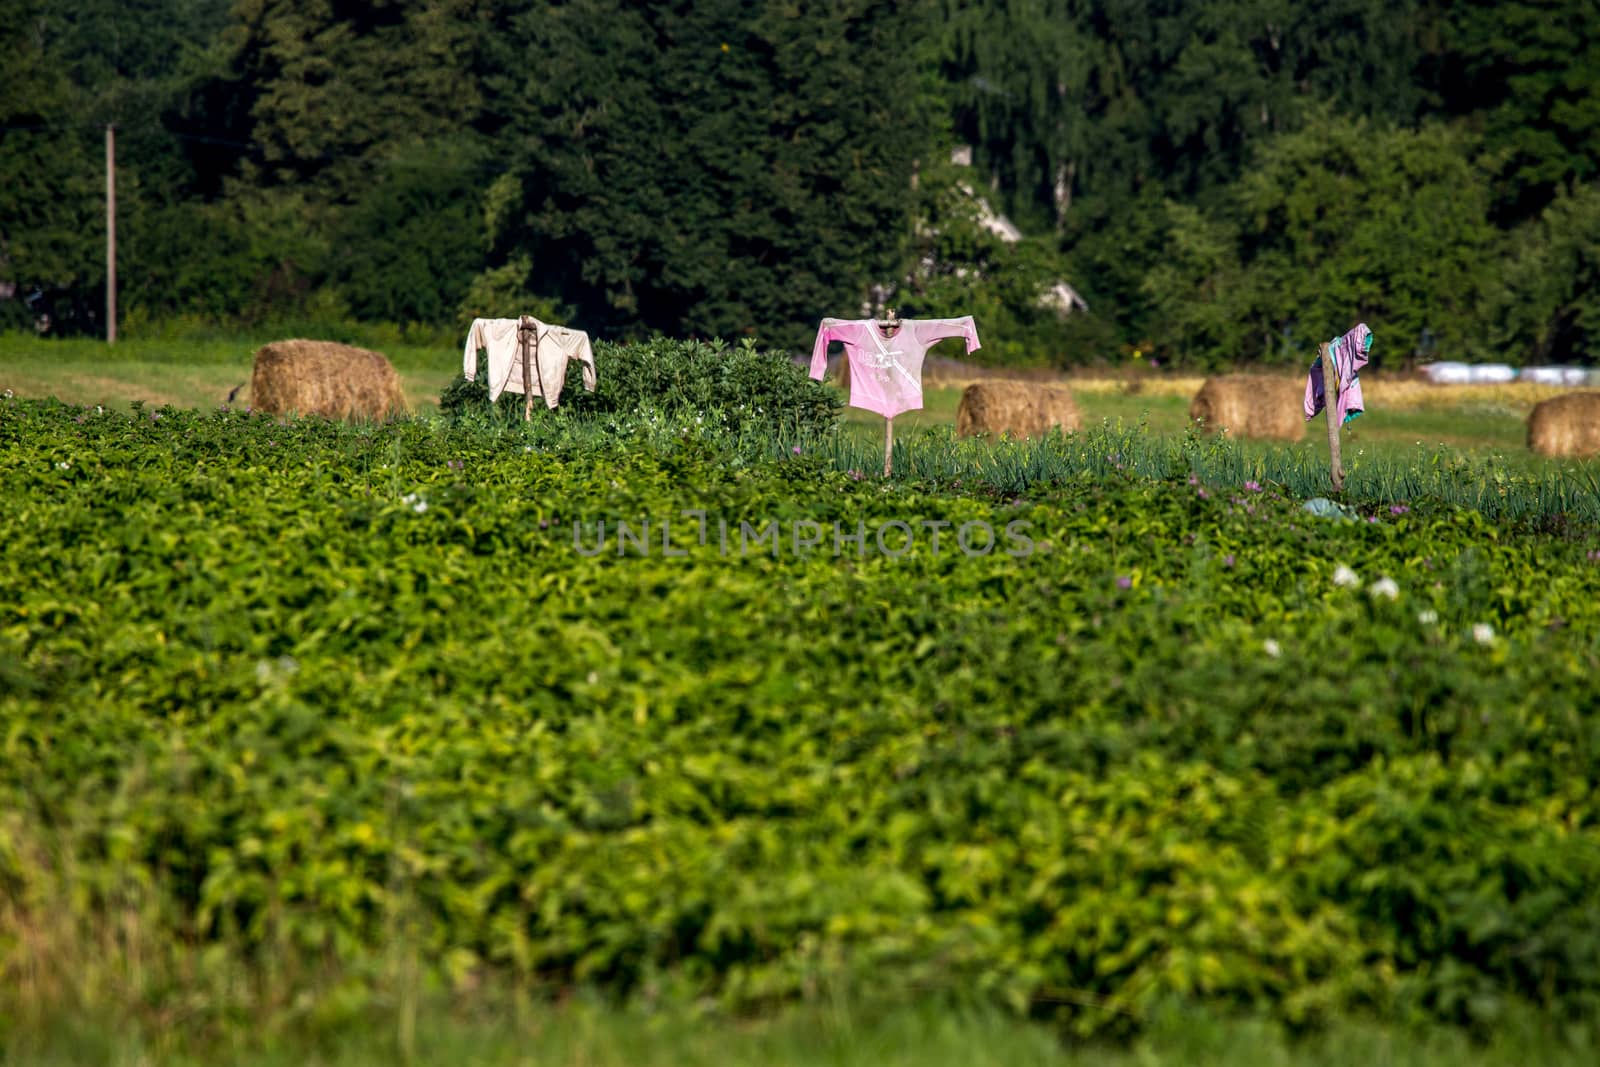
(408, 249)
(1342, 221)
(726, 168)
(1546, 298)
(1528, 74)
(327, 89)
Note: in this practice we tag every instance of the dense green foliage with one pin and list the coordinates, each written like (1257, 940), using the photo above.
(744, 169)
(293, 696)
(738, 389)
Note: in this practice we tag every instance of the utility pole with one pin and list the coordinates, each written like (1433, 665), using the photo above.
(111, 234)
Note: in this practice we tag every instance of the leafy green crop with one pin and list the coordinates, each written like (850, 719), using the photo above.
(733, 387)
(309, 692)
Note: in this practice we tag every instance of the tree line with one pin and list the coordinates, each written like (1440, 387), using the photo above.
(1223, 181)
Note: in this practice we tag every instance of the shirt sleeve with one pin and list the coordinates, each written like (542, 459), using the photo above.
(1313, 402)
(469, 355)
(931, 330)
(586, 357)
(819, 351)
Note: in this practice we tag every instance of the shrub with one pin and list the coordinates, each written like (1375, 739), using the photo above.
(743, 387)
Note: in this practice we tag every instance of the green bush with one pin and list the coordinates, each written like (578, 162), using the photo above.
(735, 389)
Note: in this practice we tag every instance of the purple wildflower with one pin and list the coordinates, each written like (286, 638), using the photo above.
(1227, 561)
(795, 450)
(1124, 582)
(1398, 509)
(855, 475)
(1202, 493)
(1194, 480)
(1254, 487)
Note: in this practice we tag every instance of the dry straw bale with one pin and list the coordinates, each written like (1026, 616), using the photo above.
(324, 378)
(1022, 409)
(1566, 426)
(1250, 405)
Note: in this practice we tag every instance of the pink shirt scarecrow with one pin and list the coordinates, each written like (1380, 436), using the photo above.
(886, 368)
(1349, 354)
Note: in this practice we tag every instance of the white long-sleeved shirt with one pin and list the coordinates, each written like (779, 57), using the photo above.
(558, 346)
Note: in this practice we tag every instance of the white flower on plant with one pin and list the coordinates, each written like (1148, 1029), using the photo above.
(64, 465)
(420, 506)
(267, 670)
(1384, 587)
(1428, 618)
(1344, 576)
(1271, 648)
(1482, 633)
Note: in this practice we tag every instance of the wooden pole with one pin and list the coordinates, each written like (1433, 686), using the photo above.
(1330, 392)
(888, 444)
(111, 234)
(527, 372)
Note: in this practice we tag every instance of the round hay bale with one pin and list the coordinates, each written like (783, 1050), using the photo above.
(1022, 409)
(1252, 405)
(1566, 426)
(324, 378)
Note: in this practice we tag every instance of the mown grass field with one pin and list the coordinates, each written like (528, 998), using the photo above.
(343, 742)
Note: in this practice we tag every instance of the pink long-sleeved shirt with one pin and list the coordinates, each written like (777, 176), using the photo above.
(886, 369)
(1349, 354)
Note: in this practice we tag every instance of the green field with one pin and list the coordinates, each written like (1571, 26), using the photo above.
(347, 742)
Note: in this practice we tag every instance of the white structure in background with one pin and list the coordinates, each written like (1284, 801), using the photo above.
(1060, 296)
(1556, 375)
(1446, 373)
(1452, 373)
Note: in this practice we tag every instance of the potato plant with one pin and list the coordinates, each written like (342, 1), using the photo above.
(307, 692)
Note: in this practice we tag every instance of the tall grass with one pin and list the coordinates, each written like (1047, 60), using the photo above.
(1116, 450)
